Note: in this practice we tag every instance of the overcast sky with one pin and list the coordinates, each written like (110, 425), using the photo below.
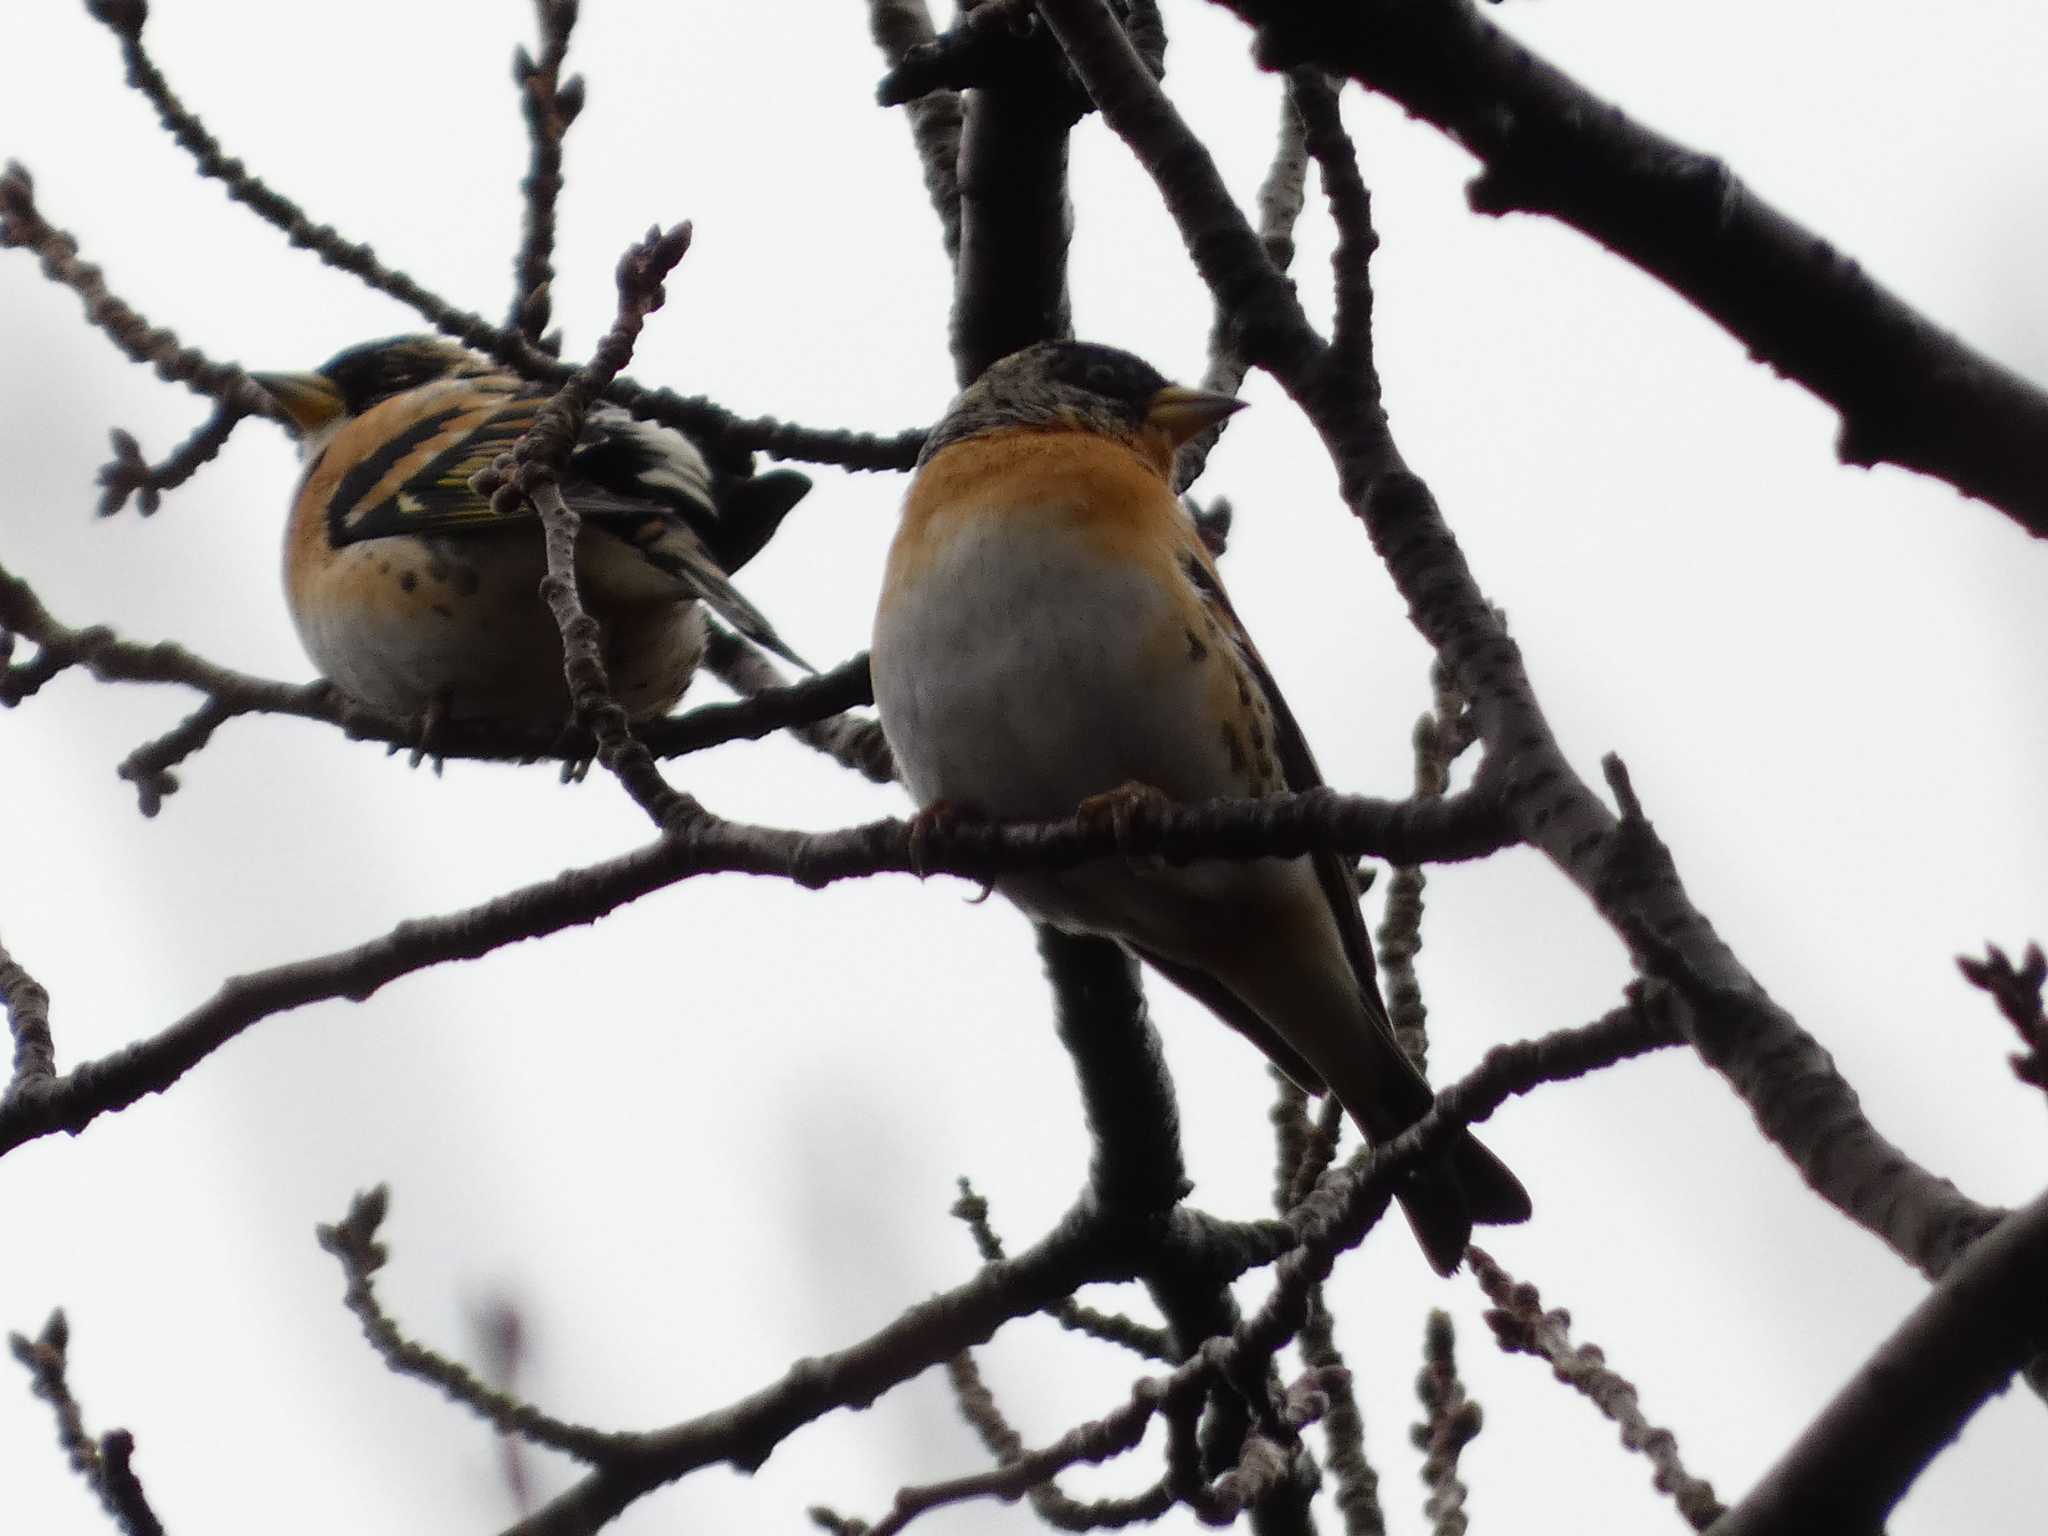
(722, 1128)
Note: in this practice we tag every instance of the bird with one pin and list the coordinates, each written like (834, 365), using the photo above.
(1052, 638)
(419, 597)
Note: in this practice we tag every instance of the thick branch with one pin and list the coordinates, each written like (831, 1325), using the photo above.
(1289, 825)
(1908, 392)
(1960, 1345)
(1010, 282)
(1803, 1105)
(900, 28)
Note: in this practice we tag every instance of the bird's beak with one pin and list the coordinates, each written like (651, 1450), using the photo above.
(1180, 413)
(309, 400)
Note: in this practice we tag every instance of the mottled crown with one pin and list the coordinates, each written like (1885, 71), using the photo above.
(1076, 385)
(377, 370)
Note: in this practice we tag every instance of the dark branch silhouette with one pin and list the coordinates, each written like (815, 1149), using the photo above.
(1521, 1326)
(1908, 392)
(106, 1464)
(1914, 1394)
(990, 105)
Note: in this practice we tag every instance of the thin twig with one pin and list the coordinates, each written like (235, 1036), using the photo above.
(1440, 736)
(725, 437)
(1358, 1482)
(770, 705)
(353, 1242)
(131, 475)
(770, 702)
(900, 27)
(1521, 1326)
(537, 460)
(28, 1022)
(549, 104)
(1452, 1421)
(106, 1464)
(2017, 991)
(1109, 1327)
(22, 225)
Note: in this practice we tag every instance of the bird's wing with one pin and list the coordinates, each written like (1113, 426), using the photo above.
(1334, 872)
(418, 479)
(622, 477)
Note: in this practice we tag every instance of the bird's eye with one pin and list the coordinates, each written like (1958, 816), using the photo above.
(1102, 378)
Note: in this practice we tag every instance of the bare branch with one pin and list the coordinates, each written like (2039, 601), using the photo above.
(901, 27)
(1281, 196)
(976, 850)
(1358, 1483)
(129, 474)
(1803, 1105)
(813, 710)
(1439, 738)
(1093, 1244)
(770, 705)
(1109, 1327)
(1957, 1348)
(534, 475)
(21, 224)
(1010, 280)
(1454, 1421)
(106, 1464)
(2017, 991)
(1314, 96)
(354, 1244)
(1908, 392)
(1521, 1326)
(28, 1022)
(1056, 1509)
(725, 437)
(549, 104)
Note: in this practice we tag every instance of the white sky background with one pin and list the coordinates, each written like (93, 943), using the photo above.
(721, 1129)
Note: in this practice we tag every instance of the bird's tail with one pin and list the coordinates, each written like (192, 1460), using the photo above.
(1444, 1198)
(1462, 1185)
(682, 554)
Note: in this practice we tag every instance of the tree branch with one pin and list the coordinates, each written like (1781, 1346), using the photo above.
(1960, 1345)
(549, 104)
(1908, 392)
(106, 1464)
(1800, 1101)
(1521, 1326)
(901, 28)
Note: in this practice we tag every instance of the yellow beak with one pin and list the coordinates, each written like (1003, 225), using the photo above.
(1181, 413)
(308, 400)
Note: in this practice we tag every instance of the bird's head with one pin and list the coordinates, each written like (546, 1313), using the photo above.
(316, 404)
(1078, 386)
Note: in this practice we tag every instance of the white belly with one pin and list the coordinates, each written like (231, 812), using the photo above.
(1024, 674)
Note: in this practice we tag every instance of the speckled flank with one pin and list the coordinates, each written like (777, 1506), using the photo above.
(403, 622)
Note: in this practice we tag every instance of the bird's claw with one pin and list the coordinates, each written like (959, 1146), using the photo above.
(1121, 810)
(934, 820)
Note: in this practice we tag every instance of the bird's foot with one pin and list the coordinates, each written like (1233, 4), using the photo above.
(418, 737)
(576, 751)
(1121, 810)
(935, 820)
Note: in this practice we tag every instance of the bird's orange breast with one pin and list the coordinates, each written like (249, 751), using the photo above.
(1076, 485)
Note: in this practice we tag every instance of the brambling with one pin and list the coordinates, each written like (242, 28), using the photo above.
(421, 599)
(1052, 635)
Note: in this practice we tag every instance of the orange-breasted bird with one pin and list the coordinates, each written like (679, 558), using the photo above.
(420, 599)
(1052, 632)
